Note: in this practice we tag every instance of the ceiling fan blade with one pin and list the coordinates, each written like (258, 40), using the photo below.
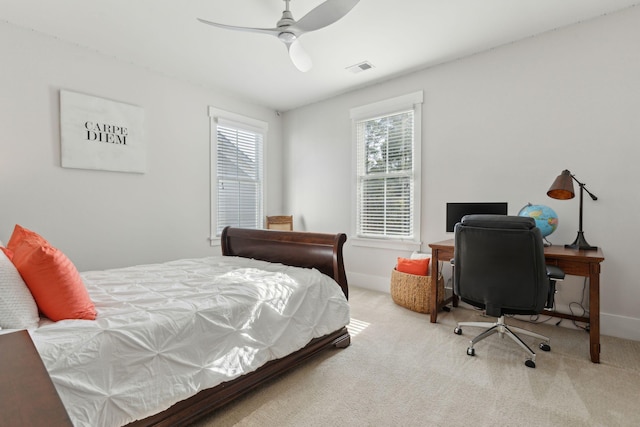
(325, 14)
(299, 56)
(272, 31)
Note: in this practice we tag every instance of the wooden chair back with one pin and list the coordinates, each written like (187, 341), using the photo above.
(280, 222)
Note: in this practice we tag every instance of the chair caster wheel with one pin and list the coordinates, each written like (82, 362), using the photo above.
(530, 363)
(457, 331)
(471, 351)
(545, 347)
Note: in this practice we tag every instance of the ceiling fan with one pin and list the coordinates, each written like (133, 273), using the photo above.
(289, 31)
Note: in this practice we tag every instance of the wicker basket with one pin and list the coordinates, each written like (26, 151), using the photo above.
(414, 292)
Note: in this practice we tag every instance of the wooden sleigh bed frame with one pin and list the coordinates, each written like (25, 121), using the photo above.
(299, 249)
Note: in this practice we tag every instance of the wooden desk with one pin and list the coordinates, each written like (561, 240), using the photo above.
(27, 395)
(573, 262)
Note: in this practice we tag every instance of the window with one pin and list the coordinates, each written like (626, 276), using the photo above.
(237, 145)
(387, 139)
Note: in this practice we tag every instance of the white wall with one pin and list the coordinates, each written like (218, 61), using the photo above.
(496, 126)
(500, 126)
(107, 219)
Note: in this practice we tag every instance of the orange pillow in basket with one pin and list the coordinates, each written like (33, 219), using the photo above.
(51, 277)
(418, 267)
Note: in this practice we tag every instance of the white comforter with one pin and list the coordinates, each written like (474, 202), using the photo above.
(166, 331)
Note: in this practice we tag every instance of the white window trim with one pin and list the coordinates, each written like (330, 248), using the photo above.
(237, 120)
(386, 107)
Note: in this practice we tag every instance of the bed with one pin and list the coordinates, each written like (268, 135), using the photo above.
(147, 359)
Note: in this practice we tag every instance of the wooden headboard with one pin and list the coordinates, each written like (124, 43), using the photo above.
(294, 248)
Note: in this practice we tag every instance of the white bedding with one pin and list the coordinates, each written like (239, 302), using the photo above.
(166, 331)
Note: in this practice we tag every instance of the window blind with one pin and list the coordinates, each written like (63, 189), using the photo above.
(239, 176)
(385, 173)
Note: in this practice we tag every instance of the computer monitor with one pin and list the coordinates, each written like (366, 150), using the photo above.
(455, 211)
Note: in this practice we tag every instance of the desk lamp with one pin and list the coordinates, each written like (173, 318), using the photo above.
(562, 189)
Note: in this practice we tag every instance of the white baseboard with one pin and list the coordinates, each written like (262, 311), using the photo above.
(610, 324)
(620, 326)
(367, 281)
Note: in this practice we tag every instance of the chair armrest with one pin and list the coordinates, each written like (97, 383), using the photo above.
(555, 273)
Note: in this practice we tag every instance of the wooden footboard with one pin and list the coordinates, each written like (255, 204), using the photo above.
(298, 249)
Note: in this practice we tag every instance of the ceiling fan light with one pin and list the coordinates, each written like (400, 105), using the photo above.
(299, 56)
(287, 37)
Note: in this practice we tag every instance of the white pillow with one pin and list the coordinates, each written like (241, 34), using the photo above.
(420, 255)
(18, 309)
(1, 244)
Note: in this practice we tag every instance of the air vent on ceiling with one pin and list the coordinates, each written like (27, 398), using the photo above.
(363, 66)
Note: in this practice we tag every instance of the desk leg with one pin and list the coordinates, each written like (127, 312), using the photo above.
(434, 285)
(594, 312)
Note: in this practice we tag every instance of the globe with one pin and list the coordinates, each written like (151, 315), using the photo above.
(546, 218)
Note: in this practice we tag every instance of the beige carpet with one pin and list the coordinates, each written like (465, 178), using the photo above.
(401, 370)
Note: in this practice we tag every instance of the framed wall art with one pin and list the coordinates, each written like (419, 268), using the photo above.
(97, 133)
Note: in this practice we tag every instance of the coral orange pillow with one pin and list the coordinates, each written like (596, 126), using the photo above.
(418, 267)
(20, 234)
(51, 277)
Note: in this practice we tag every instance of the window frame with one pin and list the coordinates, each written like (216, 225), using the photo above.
(241, 122)
(389, 107)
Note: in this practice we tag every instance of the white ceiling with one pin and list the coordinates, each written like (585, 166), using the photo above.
(395, 36)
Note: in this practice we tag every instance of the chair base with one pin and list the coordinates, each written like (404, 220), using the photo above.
(501, 328)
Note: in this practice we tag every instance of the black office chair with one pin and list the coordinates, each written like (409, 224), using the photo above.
(499, 266)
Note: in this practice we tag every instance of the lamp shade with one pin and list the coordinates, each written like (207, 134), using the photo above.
(562, 187)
